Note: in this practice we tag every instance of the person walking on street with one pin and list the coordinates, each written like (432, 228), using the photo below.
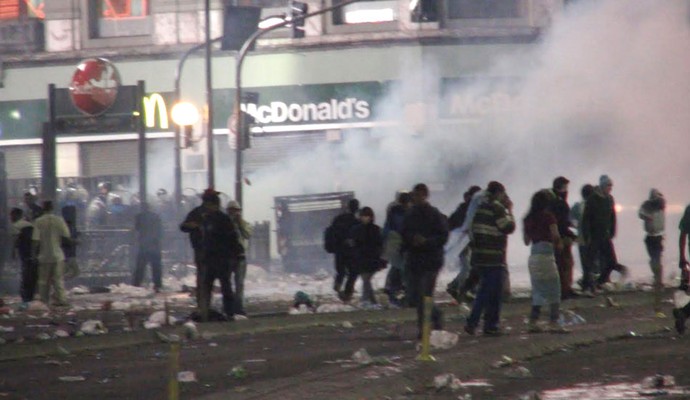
(599, 229)
(50, 232)
(244, 232)
(424, 233)
(682, 312)
(558, 205)
(576, 214)
(368, 247)
(492, 223)
(32, 210)
(22, 232)
(653, 213)
(192, 226)
(541, 231)
(340, 229)
(395, 279)
(149, 228)
(456, 287)
(220, 252)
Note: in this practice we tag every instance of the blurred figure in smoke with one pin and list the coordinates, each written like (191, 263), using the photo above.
(599, 229)
(368, 247)
(456, 288)
(50, 232)
(97, 213)
(682, 312)
(244, 232)
(31, 209)
(22, 232)
(340, 229)
(148, 226)
(118, 212)
(395, 281)
(425, 232)
(653, 213)
(576, 214)
(491, 225)
(69, 247)
(165, 206)
(558, 205)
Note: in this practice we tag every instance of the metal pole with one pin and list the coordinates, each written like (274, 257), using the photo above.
(49, 157)
(238, 86)
(209, 98)
(140, 93)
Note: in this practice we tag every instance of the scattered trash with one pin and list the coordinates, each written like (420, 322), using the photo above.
(443, 339)
(361, 356)
(37, 307)
(238, 372)
(93, 327)
(569, 317)
(190, 330)
(77, 290)
(43, 336)
(449, 381)
(256, 360)
(519, 373)
(302, 309)
(151, 325)
(532, 395)
(240, 317)
(658, 381)
(172, 338)
(213, 344)
(334, 307)
(505, 361)
(63, 351)
(611, 303)
(158, 317)
(347, 325)
(186, 376)
(6, 329)
(61, 333)
(75, 378)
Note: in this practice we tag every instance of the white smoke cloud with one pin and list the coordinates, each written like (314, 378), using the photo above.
(606, 90)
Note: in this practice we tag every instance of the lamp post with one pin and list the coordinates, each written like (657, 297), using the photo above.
(238, 83)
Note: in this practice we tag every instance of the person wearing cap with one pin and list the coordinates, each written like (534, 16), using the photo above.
(244, 232)
(653, 213)
(599, 229)
(192, 225)
(558, 206)
(493, 222)
(424, 233)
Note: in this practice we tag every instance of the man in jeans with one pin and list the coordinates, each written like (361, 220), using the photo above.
(492, 223)
(424, 233)
(150, 229)
(22, 231)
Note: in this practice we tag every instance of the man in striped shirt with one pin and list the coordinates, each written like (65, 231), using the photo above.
(492, 223)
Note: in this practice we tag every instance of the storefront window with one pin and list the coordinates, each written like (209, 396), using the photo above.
(485, 9)
(366, 12)
(115, 18)
(16, 9)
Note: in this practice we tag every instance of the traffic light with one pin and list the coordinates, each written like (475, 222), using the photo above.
(298, 10)
(239, 23)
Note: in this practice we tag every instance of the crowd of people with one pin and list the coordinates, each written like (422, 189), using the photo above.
(413, 244)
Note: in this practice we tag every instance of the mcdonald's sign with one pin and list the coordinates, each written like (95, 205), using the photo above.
(155, 103)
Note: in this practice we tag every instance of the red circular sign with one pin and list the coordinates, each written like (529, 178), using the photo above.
(94, 86)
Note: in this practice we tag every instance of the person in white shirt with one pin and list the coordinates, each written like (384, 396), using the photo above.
(652, 212)
(50, 231)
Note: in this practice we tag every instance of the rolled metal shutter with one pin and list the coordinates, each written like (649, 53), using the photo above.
(110, 158)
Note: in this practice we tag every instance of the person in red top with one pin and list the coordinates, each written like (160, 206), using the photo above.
(541, 231)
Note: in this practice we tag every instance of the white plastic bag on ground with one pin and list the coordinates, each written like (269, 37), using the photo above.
(334, 307)
(158, 317)
(361, 356)
(680, 298)
(93, 327)
(443, 340)
(447, 381)
(186, 376)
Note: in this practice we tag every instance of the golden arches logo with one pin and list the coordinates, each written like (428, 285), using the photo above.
(155, 102)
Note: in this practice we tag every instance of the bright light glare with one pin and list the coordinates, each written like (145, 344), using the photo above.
(184, 113)
(619, 208)
(369, 16)
(270, 22)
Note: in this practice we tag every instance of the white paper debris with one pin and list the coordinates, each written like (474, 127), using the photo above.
(361, 356)
(93, 327)
(443, 339)
(186, 376)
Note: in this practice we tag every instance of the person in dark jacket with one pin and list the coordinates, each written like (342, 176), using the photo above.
(576, 215)
(393, 247)
(69, 214)
(192, 226)
(599, 229)
(425, 232)
(466, 280)
(558, 205)
(492, 224)
(342, 226)
(219, 250)
(149, 227)
(368, 247)
(22, 231)
(32, 209)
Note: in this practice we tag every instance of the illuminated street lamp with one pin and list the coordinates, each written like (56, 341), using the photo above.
(184, 114)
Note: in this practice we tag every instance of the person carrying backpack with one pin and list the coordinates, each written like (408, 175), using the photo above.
(337, 240)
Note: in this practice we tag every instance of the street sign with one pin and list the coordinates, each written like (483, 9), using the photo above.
(94, 86)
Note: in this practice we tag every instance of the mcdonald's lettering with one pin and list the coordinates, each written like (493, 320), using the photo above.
(152, 103)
